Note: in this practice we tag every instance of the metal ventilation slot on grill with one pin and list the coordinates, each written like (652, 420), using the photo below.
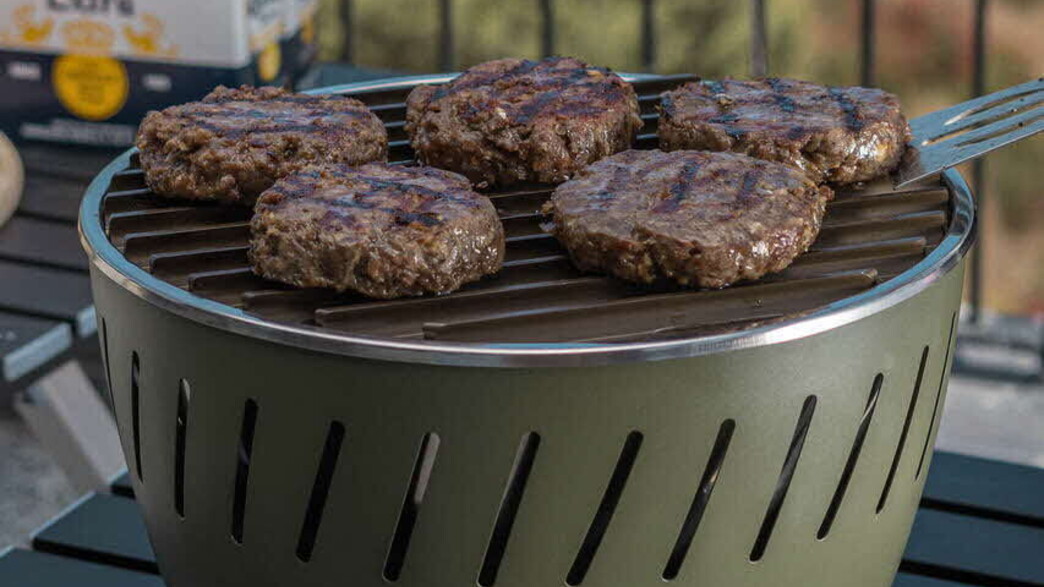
(700, 500)
(606, 509)
(136, 414)
(243, 449)
(853, 458)
(902, 436)
(938, 395)
(797, 443)
(108, 368)
(320, 489)
(180, 430)
(422, 468)
(513, 492)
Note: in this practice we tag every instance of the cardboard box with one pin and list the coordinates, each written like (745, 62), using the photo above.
(87, 71)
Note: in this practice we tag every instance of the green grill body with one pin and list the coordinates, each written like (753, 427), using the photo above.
(787, 454)
(583, 416)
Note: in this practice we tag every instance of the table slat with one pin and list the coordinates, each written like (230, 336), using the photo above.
(104, 529)
(27, 343)
(42, 242)
(71, 162)
(975, 550)
(54, 198)
(907, 580)
(50, 293)
(26, 568)
(986, 488)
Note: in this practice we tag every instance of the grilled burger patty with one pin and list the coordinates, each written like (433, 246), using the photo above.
(379, 230)
(694, 217)
(840, 135)
(514, 120)
(235, 143)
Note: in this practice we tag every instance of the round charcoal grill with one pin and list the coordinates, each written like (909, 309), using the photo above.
(540, 427)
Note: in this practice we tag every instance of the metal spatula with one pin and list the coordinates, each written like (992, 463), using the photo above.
(971, 129)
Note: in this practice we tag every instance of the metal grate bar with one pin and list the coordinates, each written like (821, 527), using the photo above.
(138, 246)
(181, 216)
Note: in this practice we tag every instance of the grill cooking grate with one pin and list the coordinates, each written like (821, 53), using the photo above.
(868, 236)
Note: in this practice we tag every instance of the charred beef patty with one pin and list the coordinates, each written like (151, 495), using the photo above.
(236, 143)
(515, 120)
(840, 135)
(382, 231)
(694, 217)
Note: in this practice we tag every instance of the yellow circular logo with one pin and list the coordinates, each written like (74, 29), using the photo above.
(269, 62)
(92, 87)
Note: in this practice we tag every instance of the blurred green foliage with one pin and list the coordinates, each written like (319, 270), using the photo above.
(923, 54)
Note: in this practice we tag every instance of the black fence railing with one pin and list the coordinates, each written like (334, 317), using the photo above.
(759, 66)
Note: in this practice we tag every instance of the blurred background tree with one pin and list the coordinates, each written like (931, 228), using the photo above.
(924, 54)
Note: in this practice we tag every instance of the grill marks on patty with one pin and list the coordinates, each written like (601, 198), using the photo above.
(379, 230)
(514, 120)
(840, 135)
(404, 201)
(692, 217)
(678, 190)
(853, 119)
(235, 143)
